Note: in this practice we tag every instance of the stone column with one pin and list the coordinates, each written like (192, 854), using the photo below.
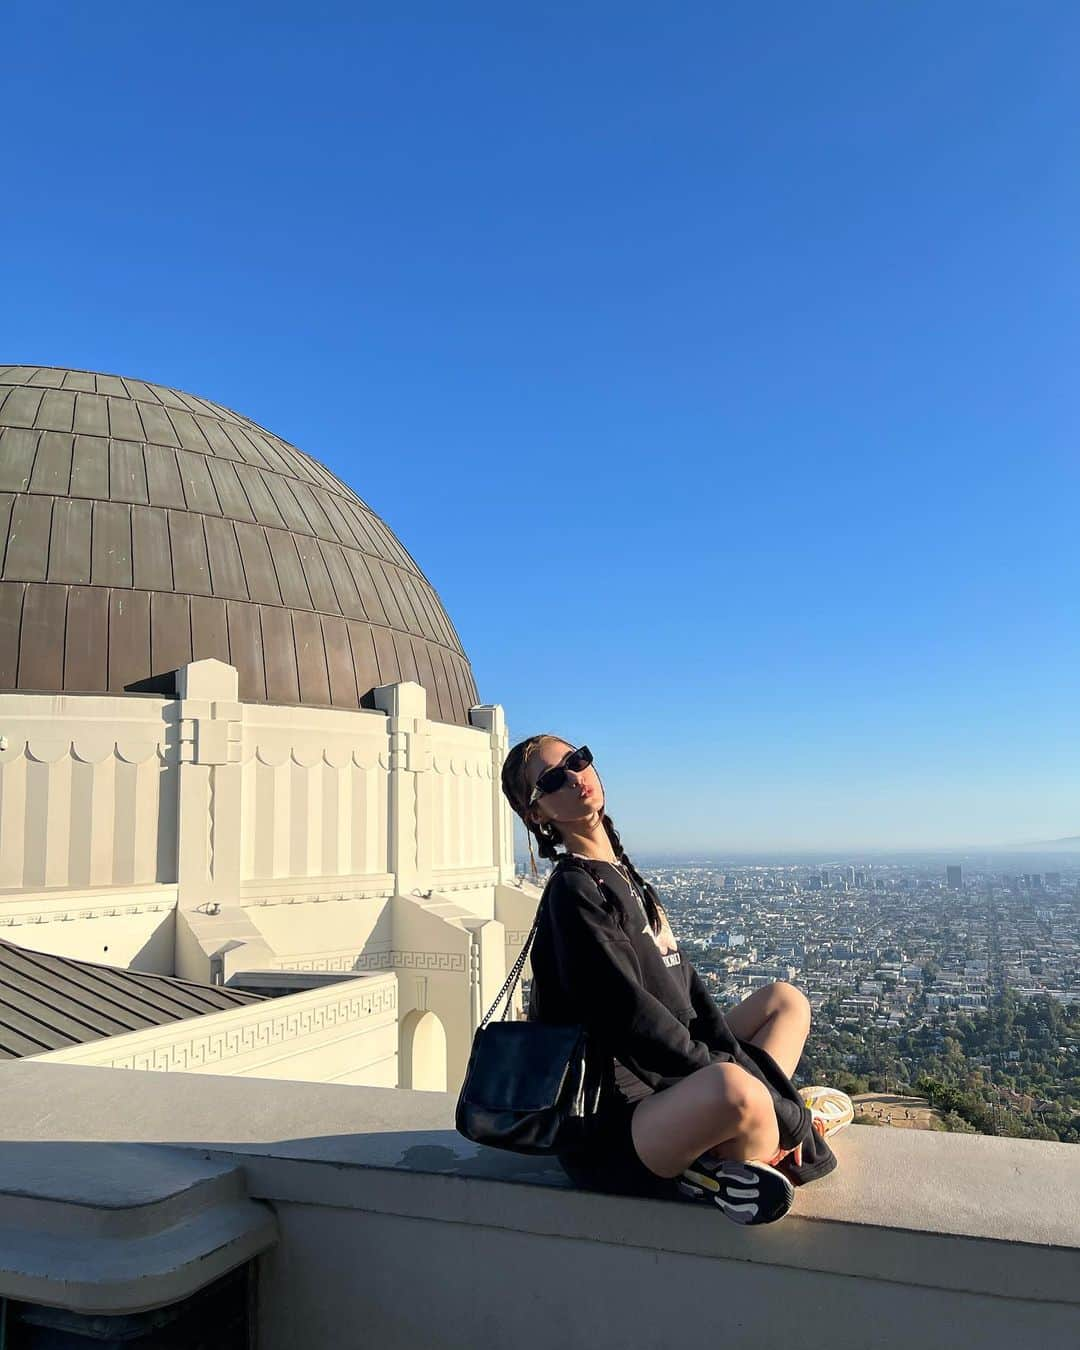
(208, 806)
(408, 797)
(491, 718)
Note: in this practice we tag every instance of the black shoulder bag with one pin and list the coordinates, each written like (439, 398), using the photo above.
(529, 1086)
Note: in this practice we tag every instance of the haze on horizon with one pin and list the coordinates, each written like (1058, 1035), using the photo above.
(812, 849)
(716, 365)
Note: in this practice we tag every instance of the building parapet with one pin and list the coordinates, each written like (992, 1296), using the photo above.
(344, 1030)
(395, 1227)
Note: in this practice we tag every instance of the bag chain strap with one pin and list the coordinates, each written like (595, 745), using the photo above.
(515, 971)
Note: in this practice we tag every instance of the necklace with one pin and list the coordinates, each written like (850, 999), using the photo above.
(624, 872)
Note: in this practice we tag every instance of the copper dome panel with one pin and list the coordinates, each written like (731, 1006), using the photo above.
(142, 528)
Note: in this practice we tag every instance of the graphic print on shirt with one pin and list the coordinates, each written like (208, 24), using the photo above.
(665, 941)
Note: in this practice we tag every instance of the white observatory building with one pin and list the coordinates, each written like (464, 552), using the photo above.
(250, 812)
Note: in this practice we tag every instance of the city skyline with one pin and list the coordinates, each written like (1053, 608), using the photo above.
(1001, 859)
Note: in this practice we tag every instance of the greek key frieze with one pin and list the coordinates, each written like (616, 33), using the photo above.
(448, 961)
(430, 961)
(223, 1044)
(369, 961)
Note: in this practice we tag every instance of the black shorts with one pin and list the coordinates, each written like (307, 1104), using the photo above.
(608, 1160)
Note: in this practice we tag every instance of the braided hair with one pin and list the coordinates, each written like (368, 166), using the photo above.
(547, 836)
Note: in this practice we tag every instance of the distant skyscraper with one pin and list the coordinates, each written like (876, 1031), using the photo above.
(954, 876)
(849, 875)
(824, 878)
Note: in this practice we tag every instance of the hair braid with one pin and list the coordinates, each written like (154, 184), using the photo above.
(654, 910)
(516, 789)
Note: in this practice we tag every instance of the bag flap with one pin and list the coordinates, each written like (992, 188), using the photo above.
(520, 1066)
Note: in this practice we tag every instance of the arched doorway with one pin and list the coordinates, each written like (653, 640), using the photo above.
(422, 1061)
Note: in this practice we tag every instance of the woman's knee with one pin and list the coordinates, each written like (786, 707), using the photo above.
(792, 1000)
(739, 1095)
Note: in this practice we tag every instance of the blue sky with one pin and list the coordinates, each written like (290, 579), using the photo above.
(717, 363)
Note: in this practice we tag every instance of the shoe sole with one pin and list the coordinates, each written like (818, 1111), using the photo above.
(745, 1192)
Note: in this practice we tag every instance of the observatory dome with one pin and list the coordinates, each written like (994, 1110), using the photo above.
(142, 528)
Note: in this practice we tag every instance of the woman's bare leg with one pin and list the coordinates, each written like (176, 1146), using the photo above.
(721, 1108)
(777, 1018)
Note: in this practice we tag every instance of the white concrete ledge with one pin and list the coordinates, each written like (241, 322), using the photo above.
(112, 1228)
(975, 1237)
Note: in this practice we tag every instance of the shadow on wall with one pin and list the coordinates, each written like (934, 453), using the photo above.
(157, 955)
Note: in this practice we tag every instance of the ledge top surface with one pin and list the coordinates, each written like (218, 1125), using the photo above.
(1009, 1190)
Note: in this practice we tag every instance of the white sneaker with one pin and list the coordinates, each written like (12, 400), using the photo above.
(830, 1108)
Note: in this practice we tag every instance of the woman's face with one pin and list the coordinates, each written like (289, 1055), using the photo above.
(580, 797)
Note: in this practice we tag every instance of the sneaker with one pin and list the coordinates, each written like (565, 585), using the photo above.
(747, 1192)
(830, 1109)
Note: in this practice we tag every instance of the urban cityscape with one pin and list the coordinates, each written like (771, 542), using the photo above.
(944, 995)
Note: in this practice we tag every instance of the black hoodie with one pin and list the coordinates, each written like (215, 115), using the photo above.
(596, 962)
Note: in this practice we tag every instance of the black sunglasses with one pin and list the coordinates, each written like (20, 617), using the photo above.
(551, 780)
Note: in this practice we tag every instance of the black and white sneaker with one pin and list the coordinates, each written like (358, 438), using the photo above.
(747, 1192)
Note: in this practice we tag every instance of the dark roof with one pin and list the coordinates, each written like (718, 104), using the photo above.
(49, 1002)
(142, 528)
